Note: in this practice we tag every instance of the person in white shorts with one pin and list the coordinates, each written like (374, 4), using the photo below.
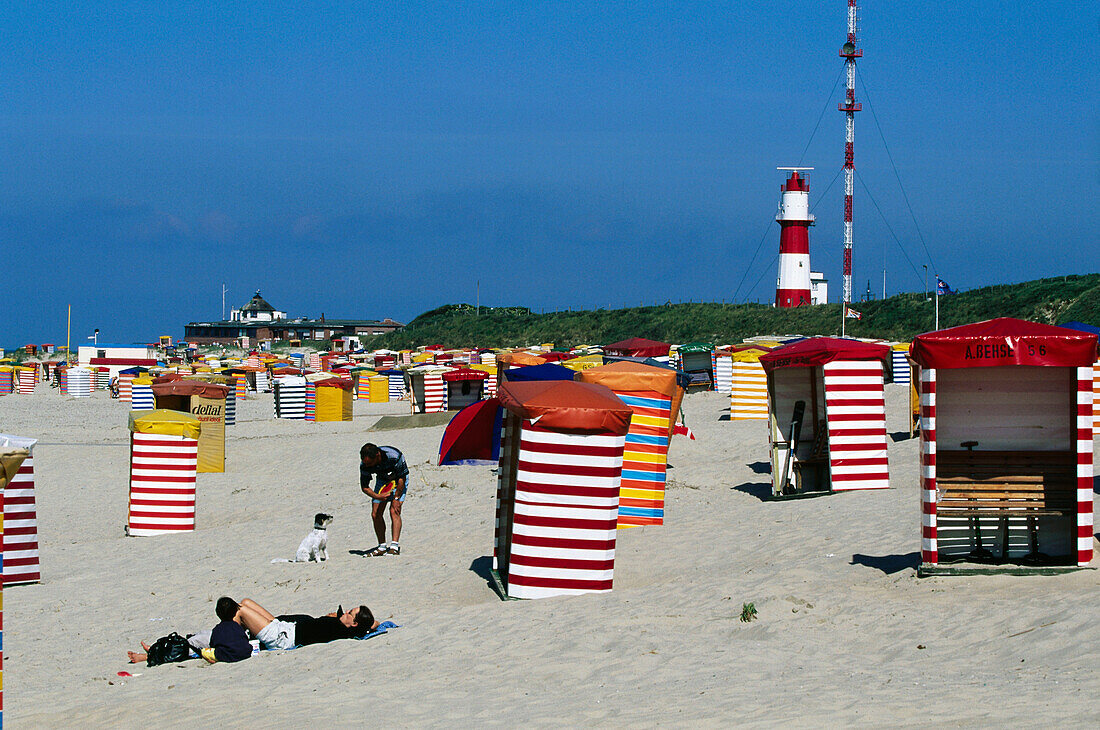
(272, 632)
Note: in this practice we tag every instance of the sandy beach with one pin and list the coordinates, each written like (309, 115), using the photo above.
(846, 634)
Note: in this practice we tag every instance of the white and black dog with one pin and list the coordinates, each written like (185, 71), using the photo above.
(314, 546)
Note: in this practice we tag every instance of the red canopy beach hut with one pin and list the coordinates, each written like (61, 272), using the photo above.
(827, 416)
(1006, 444)
(638, 347)
(558, 490)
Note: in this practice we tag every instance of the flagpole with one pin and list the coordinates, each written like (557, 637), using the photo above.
(937, 302)
(68, 333)
(843, 318)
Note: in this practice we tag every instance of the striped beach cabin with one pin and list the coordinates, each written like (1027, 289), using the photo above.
(429, 392)
(10, 461)
(825, 396)
(558, 488)
(649, 391)
(20, 517)
(164, 448)
(1006, 450)
(748, 384)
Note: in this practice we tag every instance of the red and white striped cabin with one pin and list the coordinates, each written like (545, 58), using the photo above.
(1006, 401)
(841, 439)
(164, 448)
(558, 489)
(27, 377)
(429, 392)
(20, 539)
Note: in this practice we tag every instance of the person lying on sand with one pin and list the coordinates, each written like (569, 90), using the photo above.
(227, 642)
(290, 630)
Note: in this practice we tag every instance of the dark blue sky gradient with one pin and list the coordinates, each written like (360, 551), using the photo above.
(379, 162)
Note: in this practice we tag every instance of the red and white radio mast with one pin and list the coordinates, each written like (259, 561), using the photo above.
(849, 106)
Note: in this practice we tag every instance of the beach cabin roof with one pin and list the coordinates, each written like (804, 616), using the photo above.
(464, 374)
(817, 351)
(566, 405)
(200, 388)
(696, 347)
(546, 371)
(638, 347)
(1004, 341)
(333, 383)
(626, 377)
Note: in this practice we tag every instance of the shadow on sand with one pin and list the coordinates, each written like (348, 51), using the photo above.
(888, 564)
(483, 567)
(760, 490)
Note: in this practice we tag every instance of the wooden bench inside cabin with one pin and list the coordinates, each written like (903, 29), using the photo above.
(1006, 484)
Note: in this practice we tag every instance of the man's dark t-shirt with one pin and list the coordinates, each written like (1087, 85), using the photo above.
(390, 468)
(230, 642)
(319, 630)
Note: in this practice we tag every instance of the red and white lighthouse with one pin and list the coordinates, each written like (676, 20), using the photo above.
(792, 289)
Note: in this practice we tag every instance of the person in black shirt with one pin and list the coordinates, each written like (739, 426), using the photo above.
(384, 465)
(307, 629)
(227, 642)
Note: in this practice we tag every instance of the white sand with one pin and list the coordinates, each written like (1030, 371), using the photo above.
(841, 613)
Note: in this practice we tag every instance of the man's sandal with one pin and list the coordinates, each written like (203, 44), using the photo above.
(380, 550)
(394, 550)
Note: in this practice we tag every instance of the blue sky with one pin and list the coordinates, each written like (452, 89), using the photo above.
(371, 161)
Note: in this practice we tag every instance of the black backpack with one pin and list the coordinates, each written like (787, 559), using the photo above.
(168, 649)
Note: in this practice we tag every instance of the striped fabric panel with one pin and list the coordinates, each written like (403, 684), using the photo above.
(240, 384)
(435, 393)
(397, 385)
(141, 397)
(20, 537)
(362, 386)
(231, 407)
(103, 379)
(310, 412)
(929, 549)
(566, 505)
(5, 382)
(80, 383)
(645, 460)
(263, 382)
(900, 366)
(125, 384)
(162, 484)
(723, 374)
(315, 361)
(1096, 398)
(290, 401)
(856, 412)
(748, 392)
(63, 381)
(26, 383)
(1085, 424)
(509, 432)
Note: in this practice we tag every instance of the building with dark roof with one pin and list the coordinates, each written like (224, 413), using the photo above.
(260, 321)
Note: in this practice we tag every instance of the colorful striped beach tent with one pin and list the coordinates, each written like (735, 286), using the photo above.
(558, 489)
(900, 369)
(333, 400)
(10, 461)
(429, 392)
(20, 517)
(164, 447)
(1006, 444)
(465, 386)
(748, 384)
(206, 402)
(833, 389)
(473, 435)
(649, 392)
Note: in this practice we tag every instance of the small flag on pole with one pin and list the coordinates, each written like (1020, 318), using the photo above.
(681, 430)
(942, 288)
(852, 314)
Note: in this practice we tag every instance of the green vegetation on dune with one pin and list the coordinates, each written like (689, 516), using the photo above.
(897, 318)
